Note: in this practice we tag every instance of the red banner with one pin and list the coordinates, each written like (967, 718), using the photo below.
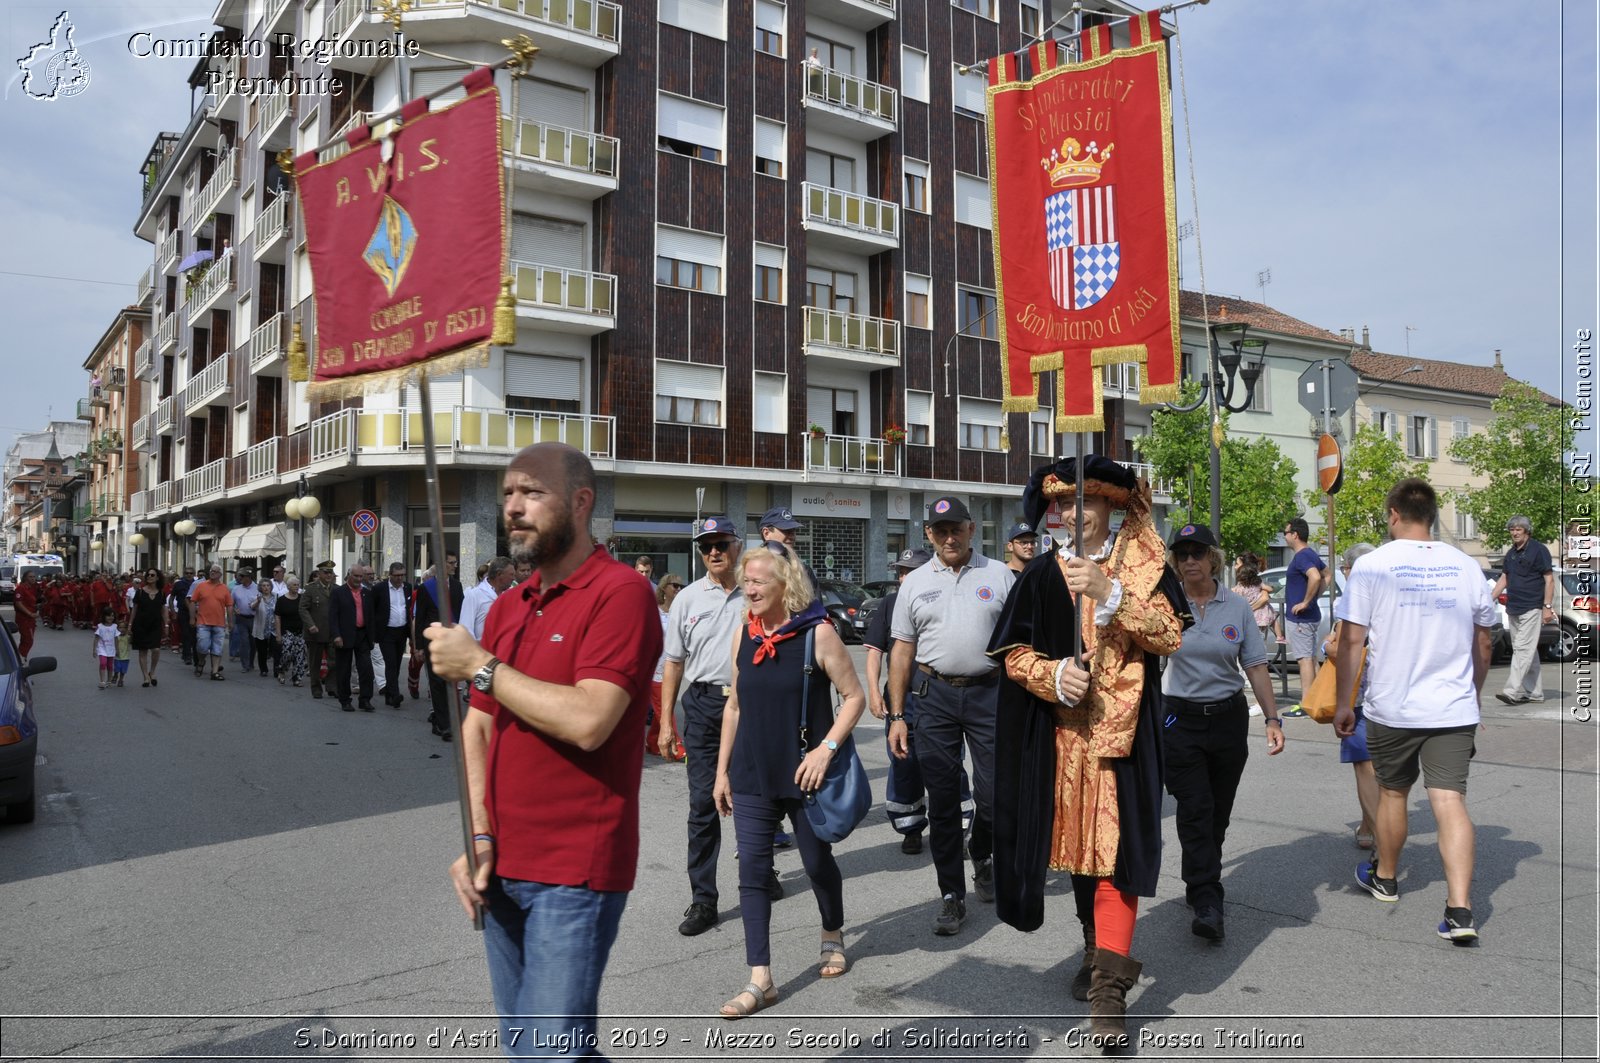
(407, 251)
(1086, 268)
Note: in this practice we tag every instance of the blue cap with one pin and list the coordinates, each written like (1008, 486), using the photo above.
(779, 517)
(1020, 530)
(717, 525)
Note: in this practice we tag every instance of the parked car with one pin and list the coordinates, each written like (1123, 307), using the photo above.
(8, 583)
(843, 603)
(19, 731)
(1549, 634)
(1577, 614)
(880, 588)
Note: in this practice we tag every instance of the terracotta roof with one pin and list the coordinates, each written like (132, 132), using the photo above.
(1256, 315)
(1487, 380)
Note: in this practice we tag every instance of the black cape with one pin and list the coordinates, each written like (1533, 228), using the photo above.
(1039, 612)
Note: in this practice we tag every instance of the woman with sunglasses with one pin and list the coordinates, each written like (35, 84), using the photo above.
(146, 607)
(1206, 730)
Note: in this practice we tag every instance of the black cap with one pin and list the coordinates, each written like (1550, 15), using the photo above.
(916, 557)
(779, 517)
(948, 510)
(717, 525)
(1194, 533)
(1021, 530)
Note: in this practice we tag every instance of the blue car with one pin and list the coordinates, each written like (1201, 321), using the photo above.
(19, 732)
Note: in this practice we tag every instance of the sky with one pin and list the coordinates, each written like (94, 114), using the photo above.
(1394, 163)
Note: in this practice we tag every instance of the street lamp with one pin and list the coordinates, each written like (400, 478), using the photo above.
(1244, 364)
(302, 507)
(183, 529)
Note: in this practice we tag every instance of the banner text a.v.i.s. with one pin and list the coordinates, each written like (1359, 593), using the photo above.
(1081, 171)
(407, 250)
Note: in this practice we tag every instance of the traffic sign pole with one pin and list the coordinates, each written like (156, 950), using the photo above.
(1327, 428)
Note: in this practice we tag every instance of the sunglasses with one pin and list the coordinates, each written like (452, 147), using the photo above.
(1189, 553)
(721, 545)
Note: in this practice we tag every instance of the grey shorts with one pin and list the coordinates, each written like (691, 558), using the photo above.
(1302, 639)
(1441, 752)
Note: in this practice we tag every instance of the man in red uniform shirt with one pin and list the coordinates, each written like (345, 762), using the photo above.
(553, 755)
(27, 610)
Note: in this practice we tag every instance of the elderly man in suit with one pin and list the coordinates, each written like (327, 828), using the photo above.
(391, 622)
(351, 622)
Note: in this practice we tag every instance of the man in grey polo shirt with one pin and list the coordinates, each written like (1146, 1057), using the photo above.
(943, 618)
(699, 659)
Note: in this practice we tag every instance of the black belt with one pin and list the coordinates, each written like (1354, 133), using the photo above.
(717, 689)
(1186, 707)
(961, 680)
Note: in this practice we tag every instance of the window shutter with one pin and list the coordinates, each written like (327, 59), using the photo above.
(919, 407)
(682, 119)
(685, 381)
(552, 104)
(770, 409)
(981, 411)
(687, 245)
(770, 16)
(972, 201)
(445, 391)
(819, 407)
(546, 241)
(968, 91)
(536, 376)
(1433, 437)
(914, 74)
(701, 16)
(424, 82)
(769, 255)
(769, 140)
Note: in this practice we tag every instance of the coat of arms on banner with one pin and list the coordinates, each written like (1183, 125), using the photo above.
(1080, 227)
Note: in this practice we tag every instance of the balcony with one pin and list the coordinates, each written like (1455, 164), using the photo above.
(222, 181)
(266, 343)
(332, 437)
(144, 360)
(273, 107)
(218, 278)
(208, 480)
(167, 333)
(473, 429)
(232, 68)
(568, 162)
(850, 221)
(206, 389)
(141, 432)
(272, 224)
(85, 410)
(856, 340)
(164, 415)
(161, 497)
(147, 285)
(586, 32)
(167, 253)
(851, 454)
(565, 300)
(261, 461)
(1160, 489)
(859, 14)
(116, 380)
(850, 106)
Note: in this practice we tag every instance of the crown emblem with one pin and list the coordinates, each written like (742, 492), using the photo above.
(1068, 169)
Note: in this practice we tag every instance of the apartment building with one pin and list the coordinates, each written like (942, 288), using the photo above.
(39, 468)
(111, 463)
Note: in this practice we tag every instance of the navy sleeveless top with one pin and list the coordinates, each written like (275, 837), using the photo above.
(766, 748)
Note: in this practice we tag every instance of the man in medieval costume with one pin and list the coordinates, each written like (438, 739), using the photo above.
(1078, 767)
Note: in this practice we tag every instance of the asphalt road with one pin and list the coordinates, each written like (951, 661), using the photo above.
(235, 870)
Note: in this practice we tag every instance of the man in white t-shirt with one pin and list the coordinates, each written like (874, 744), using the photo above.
(1425, 614)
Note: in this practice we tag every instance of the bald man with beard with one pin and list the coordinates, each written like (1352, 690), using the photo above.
(560, 693)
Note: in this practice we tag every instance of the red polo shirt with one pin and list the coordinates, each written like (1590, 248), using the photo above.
(562, 816)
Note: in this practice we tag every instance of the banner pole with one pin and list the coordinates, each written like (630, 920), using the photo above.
(1077, 539)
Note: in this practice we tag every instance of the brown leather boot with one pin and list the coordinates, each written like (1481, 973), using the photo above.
(1109, 981)
(1080, 981)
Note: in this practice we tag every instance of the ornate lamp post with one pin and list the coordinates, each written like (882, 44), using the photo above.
(1217, 387)
(302, 507)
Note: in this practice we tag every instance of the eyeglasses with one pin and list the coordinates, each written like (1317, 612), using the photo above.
(720, 545)
(1189, 553)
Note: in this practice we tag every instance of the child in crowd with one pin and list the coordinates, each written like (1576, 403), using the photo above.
(105, 646)
(124, 652)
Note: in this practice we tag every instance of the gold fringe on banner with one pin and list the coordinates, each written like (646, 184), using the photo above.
(1005, 439)
(351, 387)
(299, 365)
(505, 316)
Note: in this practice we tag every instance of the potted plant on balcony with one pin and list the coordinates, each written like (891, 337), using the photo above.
(894, 435)
(818, 432)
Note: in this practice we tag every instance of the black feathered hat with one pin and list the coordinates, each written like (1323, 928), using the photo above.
(1102, 478)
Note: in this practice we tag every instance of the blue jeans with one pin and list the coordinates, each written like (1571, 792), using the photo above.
(548, 947)
(243, 646)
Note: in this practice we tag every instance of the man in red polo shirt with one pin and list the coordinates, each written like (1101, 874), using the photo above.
(553, 754)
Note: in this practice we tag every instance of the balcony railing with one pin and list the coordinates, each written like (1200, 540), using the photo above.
(266, 342)
(333, 436)
(116, 379)
(875, 338)
(565, 289)
(147, 284)
(1159, 487)
(161, 497)
(218, 278)
(850, 210)
(209, 479)
(85, 409)
(141, 432)
(210, 385)
(273, 107)
(855, 454)
(164, 415)
(273, 221)
(144, 359)
(851, 93)
(593, 18)
(337, 145)
(261, 461)
(343, 16)
(167, 332)
(210, 195)
(167, 254)
(574, 149)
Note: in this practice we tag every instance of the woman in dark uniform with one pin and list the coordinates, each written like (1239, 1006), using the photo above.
(776, 749)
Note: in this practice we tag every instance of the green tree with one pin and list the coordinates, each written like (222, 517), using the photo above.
(1373, 463)
(1522, 456)
(1258, 481)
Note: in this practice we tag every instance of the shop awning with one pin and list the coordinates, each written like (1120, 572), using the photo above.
(228, 545)
(254, 542)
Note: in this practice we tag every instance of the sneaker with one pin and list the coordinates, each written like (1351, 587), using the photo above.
(1207, 924)
(1513, 699)
(774, 887)
(697, 919)
(1385, 889)
(782, 840)
(1294, 711)
(1457, 926)
(911, 844)
(952, 910)
(983, 880)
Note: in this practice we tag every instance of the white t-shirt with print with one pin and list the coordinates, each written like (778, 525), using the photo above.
(1420, 602)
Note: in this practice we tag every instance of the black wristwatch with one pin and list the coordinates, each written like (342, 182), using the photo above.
(483, 678)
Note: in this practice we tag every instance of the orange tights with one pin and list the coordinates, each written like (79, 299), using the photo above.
(1112, 911)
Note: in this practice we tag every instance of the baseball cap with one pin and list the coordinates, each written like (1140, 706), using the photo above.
(1021, 530)
(1194, 533)
(717, 525)
(779, 517)
(916, 557)
(947, 509)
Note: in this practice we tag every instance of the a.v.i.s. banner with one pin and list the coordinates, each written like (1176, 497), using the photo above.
(1086, 268)
(407, 247)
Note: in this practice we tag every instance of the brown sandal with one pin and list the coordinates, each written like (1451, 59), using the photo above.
(738, 1009)
(835, 967)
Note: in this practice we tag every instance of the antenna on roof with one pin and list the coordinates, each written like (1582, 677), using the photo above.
(1409, 330)
(1264, 278)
